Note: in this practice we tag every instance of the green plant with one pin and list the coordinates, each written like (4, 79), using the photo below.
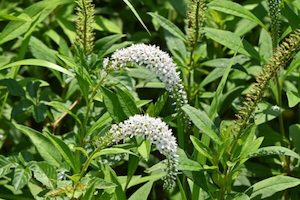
(86, 88)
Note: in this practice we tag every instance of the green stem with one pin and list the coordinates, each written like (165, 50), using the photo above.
(279, 102)
(88, 162)
(180, 130)
(88, 109)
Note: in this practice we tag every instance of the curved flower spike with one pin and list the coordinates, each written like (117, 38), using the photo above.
(154, 59)
(158, 133)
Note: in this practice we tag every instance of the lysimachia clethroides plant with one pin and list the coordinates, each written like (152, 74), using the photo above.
(206, 130)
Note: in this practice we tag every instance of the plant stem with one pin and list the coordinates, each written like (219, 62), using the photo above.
(89, 106)
(87, 162)
(58, 121)
(279, 102)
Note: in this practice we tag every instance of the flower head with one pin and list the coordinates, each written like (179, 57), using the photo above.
(158, 133)
(154, 59)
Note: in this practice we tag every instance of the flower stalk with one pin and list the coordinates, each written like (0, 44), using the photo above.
(195, 21)
(281, 56)
(84, 25)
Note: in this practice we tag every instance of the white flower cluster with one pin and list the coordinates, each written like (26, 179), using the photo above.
(154, 59)
(158, 133)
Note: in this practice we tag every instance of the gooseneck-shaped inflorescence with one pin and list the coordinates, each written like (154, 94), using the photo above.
(282, 55)
(154, 59)
(154, 130)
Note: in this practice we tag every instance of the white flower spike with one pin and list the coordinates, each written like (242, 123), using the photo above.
(154, 59)
(158, 133)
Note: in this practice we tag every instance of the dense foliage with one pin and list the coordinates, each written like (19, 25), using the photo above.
(164, 99)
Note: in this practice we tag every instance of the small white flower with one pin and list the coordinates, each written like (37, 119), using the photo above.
(158, 133)
(154, 59)
(275, 108)
(62, 175)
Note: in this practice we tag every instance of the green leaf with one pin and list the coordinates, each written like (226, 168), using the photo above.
(65, 152)
(250, 143)
(144, 149)
(5, 166)
(133, 163)
(180, 6)
(100, 123)
(68, 27)
(63, 47)
(21, 177)
(186, 164)
(265, 112)
(96, 183)
(111, 176)
(268, 187)
(43, 145)
(168, 25)
(23, 17)
(293, 98)
(265, 45)
(181, 189)
(16, 28)
(39, 112)
(89, 193)
(201, 148)
(41, 50)
(32, 88)
(105, 43)
(215, 105)
(136, 14)
(202, 121)
(275, 150)
(113, 105)
(235, 9)
(144, 179)
(62, 108)
(291, 16)
(13, 87)
(127, 102)
(212, 76)
(239, 196)
(160, 103)
(106, 25)
(44, 173)
(79, 70)
(111, 151)
(37, 62)
(143, 192)
(199, 179)
(294, 132)
(232, 41)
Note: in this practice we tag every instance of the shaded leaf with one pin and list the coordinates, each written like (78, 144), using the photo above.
(143, 192)
(21, 177)
(202, 121)
(168, 25)
(268, 187)
(232, 41)
(43, 145)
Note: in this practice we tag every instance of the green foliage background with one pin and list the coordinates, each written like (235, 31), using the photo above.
(57, 102)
